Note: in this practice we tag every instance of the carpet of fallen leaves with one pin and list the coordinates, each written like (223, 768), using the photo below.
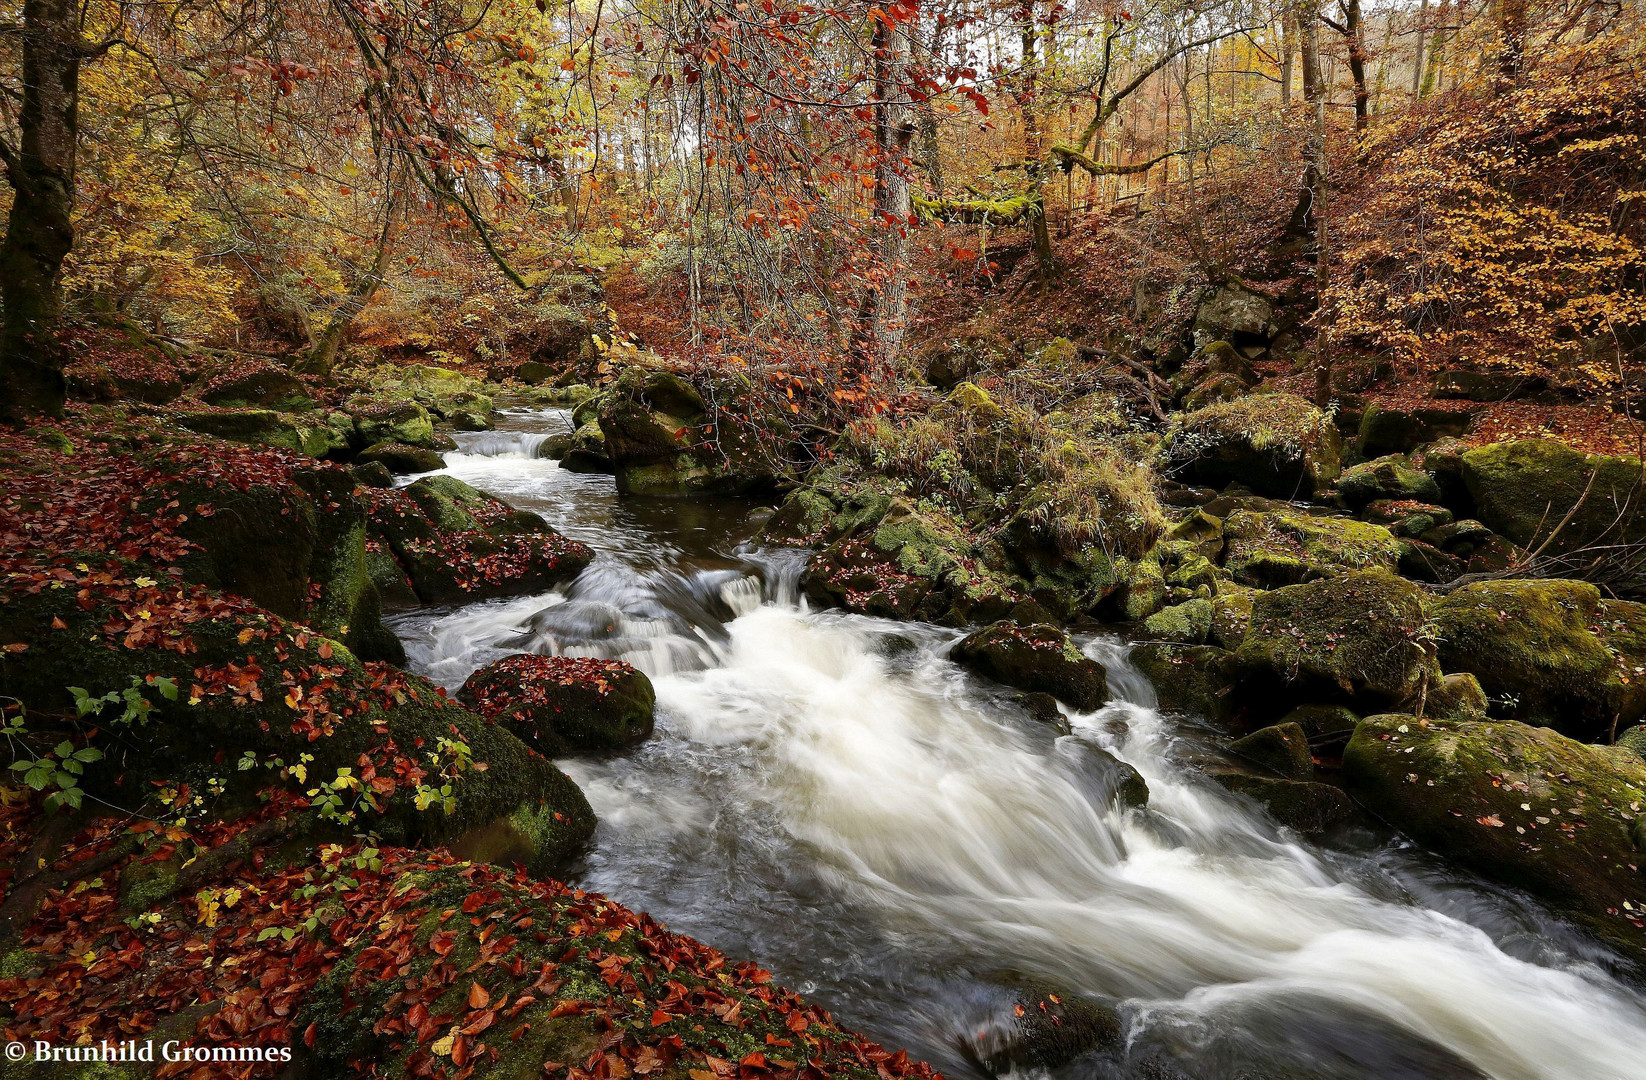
(450, 966)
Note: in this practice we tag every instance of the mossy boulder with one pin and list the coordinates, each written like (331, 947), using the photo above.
(1051, 1027)
(1327, 727)
(664, 438)
(1390, 477)
(400, 458)
(264, 386)
(389, 420)
(1397, 429)
(1187, 623)
(1281, 748)
(1308, 807)
(587, 451)
(1036, 658)
(1194, 679)
(372, 474)
(1525, 489)
(455, 543)
(564, 704)
(263, 427)
(1458, 696)
(1276, 444)
(1520, 804)
(1275, 548)
(1359, 638)
(1534, 647)
(1231, 614)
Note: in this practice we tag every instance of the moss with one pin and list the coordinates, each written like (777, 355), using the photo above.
(1270, 549)
(1231, 614)
(1520, 804)
(1281, 748)
(1457, 697)
(1276, 444)
(1195, 679)
(1305, 806)
(1525, 489)
(1531, 645)
(1361, 636)
(1037, 659)
(1390, 477)
(400, 458)
(1182, 624)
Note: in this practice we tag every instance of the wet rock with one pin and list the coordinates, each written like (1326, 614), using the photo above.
(400, 458)
(1050, 1028)
(372, 474)
(555, 447)
(1267, 550)
(1397, 429)
(1308, 807)
(562, 704)
(664, 439)
(1277, 444)
(469, 420)
(1391, 477)
(1194, 679)
(587, 453)
(1525, 489)
(1036, 658)
(1535, 649)
(1520, 804)
(1281, 748)
(1327, 727)
(1359, 637)
(455, 543)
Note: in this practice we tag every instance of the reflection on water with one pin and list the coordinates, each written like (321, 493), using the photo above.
(896, 840)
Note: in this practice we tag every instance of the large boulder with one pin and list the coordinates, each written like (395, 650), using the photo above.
(1276, 444)
(400, 458)
(1525, 490)
(263, 427)
(1397, 429)
(564, 704)
(1267, 549)
(389, 420)
(258, 386)
(1547, 652)
(455, 544)
(1359, 638)
(1195, 679)
(1519, 804)
(665, 439)
(1391, 477)
(1234, 313)
(1036, 658)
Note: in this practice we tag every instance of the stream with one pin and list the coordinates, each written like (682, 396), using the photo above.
(827, 795)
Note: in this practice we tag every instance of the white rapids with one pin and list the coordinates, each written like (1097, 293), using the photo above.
(828, 795)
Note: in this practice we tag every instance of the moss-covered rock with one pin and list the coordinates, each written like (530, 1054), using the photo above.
(1520, 804)
(1181, 624)
(1281, 748)
(1194, 679)
(1361, 637)
(1390, 477)
(1308, 807)
(564, 704)
(1231, 614)
(1035, 658)
(389, 420)
(400, 458)
(1525, 489)
(265, 386)
(1276, 444)
(1327, 727)
(1535, 651)
(587, 452)
(263, 427)
(1051, 1027)
(1398, 429)
(1458, 696)
(1275, 548)
(664, 438)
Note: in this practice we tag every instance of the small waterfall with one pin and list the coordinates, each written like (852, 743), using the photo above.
(501, 444)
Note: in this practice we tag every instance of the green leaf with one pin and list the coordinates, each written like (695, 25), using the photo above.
(64, 749)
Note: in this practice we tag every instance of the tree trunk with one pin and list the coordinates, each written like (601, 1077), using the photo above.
(887, 299)
(1512, 27)
(1355, 26)
(323, 356)
(1417, 55)
(1034, 144)
(927, 41)
(1288, 50)
(1315, 90)
(1434, 71)
(40, 231)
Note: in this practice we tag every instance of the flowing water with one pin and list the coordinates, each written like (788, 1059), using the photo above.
(827, 795)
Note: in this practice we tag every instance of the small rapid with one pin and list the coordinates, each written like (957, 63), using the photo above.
(828, 795)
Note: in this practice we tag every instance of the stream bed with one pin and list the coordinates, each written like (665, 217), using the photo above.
(827, 795)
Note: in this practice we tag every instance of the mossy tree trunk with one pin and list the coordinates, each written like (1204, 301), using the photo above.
(323, 356)
(40, 231)
(1315, 92)
(886, 301)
